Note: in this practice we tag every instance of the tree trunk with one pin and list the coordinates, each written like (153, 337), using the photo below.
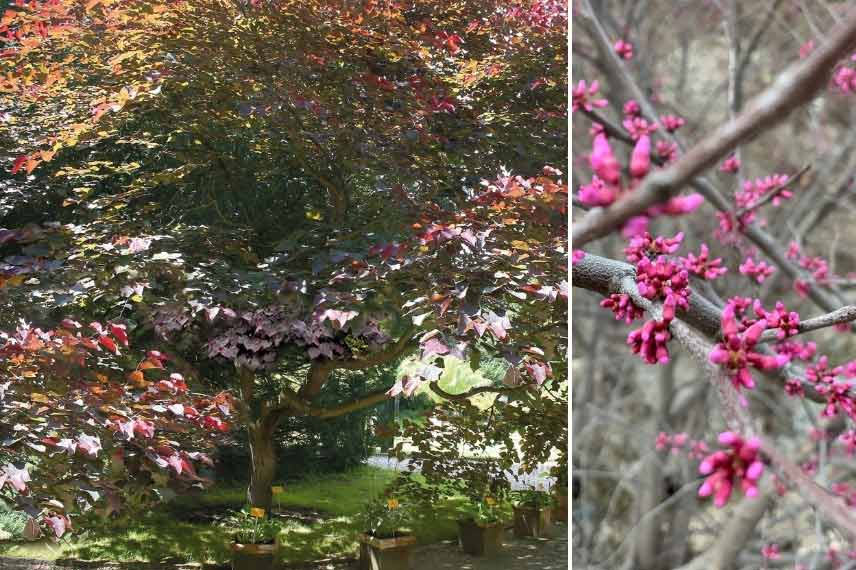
(263, 467)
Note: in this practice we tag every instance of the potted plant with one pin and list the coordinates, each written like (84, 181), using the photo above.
(254, 539)
(481, 528)
(532, 513)
(386, 544)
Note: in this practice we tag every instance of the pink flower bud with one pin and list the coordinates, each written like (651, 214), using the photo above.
(603, 161)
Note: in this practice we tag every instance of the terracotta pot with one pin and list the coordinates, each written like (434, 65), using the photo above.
(253, 556)
(386, 553)
(480, 540)
(532, 521)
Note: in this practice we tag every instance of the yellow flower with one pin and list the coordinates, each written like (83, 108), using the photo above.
(392, 504)
(490, 501)
(278, 489)
(257, 512)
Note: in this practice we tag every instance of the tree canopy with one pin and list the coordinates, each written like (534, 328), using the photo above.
(271, 193)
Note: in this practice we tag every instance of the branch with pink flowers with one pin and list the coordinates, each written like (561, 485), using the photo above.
(719, 362)
(794, 87)
(773, 193)
(827, 300)
(611, 277)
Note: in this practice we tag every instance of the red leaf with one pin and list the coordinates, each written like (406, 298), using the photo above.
(120, 333)
(19, 162)
(109, 344)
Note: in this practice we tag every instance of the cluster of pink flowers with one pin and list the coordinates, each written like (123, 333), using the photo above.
(848, 439)
(658, 277)
(646, 246)
(794, 388)
(663, 279)
(582, 97)
(754, 190)
(703, 266)
(845, 491)
(730, 165)
(820, 372)
(675, 442)
(736, 351)
(806, 49)
(672, 123)
(838, 392)
(787, 322)
(730, 226)
(697, 449)
(796, 350)
(623, 49)
(650, 342)
(623, 307)
(577, 255)
(639, 127)
(838, 398)
(632, 109)
(760, 271)
(845, 79)
(818, 266)
(667, 151)
(725, 469)
(770, 551)
(597, 193)
(606, 186)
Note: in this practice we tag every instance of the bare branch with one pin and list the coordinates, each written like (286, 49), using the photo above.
(832, 507)
(735, 533)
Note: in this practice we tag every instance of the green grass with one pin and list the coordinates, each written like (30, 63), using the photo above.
(161, 535)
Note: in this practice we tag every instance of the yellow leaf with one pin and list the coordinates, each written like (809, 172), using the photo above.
(257, 512)
(40, 398)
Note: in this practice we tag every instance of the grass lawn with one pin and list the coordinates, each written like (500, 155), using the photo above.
(162, 535)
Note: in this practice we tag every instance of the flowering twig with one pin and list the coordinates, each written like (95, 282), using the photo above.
(794, 87)
(843, 315)
(770, 196)
(606, 276)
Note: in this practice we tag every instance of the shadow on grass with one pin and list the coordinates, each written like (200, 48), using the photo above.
(156, 537)
(319, 518)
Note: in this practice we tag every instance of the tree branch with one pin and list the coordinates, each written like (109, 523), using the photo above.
(735, 534)
(794, 87)
(606, 276)
(769, 196)
(765, 242)
(435, 387)
(843, 315)
(319, 373)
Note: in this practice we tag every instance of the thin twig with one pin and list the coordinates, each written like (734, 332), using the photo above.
(770, 196)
